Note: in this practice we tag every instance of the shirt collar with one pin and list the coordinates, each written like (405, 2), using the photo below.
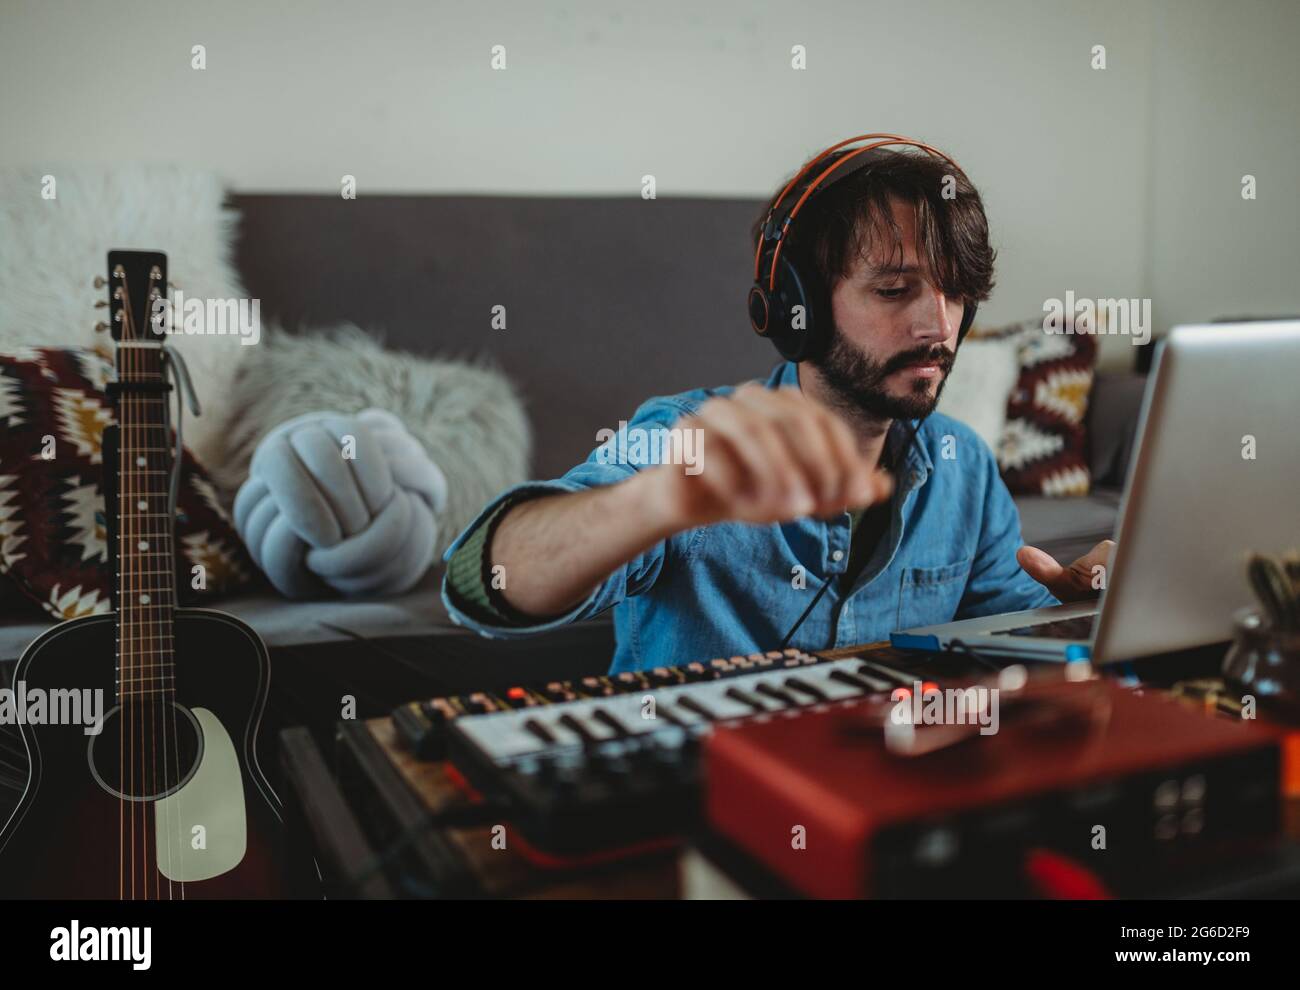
(786, 374)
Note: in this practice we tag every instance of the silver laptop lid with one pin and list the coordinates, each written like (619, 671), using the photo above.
(1215, 477)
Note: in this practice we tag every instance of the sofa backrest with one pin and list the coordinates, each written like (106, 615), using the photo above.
(607, 301)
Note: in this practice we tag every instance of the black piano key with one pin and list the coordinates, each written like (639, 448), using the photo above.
(574, 725)
(897, 677)
(861, 683)
(540, 731)
(802, 686)
(745, 698)
(607, 719)
(696, 706)
(775, 693)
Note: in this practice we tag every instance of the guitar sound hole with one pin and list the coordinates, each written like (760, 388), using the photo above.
(148, 748)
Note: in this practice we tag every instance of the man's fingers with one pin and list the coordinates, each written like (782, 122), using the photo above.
(1040, 566)
(794, 456)
(803, 438)
(1073, 583)
(782, 486)
(724, 475)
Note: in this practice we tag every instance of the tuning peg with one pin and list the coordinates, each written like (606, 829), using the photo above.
(173, 285)
(101, 326)
(100, 281)
(101, 303)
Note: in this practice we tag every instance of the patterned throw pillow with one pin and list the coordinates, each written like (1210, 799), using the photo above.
(1043, 450)
(53, 541)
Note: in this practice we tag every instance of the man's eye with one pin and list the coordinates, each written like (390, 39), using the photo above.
(894, 293)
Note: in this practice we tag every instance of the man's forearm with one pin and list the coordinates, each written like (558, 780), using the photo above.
(555, 550)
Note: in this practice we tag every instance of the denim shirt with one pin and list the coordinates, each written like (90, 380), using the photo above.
(735, 588)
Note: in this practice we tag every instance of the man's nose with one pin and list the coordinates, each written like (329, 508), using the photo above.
(932, 324)
(935, 324)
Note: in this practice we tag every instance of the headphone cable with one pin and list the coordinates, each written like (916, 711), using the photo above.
(911, 442)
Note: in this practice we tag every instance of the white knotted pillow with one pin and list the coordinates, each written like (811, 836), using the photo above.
(345, 501)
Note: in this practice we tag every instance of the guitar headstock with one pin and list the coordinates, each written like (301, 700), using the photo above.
(136, 281)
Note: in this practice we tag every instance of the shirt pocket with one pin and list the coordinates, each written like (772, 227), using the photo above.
(930, 595)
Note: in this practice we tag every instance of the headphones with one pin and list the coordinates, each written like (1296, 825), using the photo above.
(783, 280)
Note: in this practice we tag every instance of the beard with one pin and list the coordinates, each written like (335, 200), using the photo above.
(857, 382)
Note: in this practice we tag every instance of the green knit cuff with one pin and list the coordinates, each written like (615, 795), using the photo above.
(469, 572)
(469, 579)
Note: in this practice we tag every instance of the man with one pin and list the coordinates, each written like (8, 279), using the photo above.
(810, 514)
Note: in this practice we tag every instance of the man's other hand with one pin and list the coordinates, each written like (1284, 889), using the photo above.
(1078, 582)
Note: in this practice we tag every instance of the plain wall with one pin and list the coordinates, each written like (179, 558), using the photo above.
(1121, 182)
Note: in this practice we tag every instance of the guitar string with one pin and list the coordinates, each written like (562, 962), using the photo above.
(145, 402)
(168, 541)
(121, 646)
(136, 432)
(127, 627)
(136, 630)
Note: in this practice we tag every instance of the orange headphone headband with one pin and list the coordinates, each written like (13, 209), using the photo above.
(881, 141)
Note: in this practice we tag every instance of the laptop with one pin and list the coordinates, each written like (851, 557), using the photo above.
(1215, 477)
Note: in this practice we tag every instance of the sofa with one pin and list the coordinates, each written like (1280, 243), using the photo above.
(607, 302)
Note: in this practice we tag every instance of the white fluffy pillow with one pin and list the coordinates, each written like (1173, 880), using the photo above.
(467, 416)
(51, 250)
(980, 384)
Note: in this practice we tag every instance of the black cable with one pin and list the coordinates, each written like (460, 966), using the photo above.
(471, 816)
(959, 644)
(911, 442)
(812, 605)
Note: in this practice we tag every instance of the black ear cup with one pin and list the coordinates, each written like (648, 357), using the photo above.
(967, 318)
(760, 310)
(793, 315)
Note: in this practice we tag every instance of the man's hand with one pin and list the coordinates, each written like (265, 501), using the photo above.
(1075, 583)
(768, 455)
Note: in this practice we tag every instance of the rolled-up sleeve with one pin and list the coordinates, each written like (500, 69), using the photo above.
(604, 466)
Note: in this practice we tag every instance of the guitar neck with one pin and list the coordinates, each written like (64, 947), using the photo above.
(146, 571)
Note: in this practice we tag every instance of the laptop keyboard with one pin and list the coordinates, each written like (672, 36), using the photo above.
(1077, 628)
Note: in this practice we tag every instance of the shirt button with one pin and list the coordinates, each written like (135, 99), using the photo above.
(837, 556)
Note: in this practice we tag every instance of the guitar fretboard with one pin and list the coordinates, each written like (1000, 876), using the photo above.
(146, 574)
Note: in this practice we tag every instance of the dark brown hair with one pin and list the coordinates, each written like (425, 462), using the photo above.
(844, 221)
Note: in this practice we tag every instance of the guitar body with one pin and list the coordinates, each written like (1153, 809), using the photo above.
(167, 800)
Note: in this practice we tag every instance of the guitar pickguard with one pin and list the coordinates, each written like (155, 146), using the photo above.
(201, 830)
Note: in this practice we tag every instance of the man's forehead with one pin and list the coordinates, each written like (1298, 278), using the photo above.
(892, 249)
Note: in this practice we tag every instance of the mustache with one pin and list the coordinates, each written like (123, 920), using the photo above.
(922, 355)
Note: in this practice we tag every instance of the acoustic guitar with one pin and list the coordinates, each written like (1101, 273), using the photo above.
(161, 796)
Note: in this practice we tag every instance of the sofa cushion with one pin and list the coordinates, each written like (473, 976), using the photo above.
(1043, 450)
(53, 541)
